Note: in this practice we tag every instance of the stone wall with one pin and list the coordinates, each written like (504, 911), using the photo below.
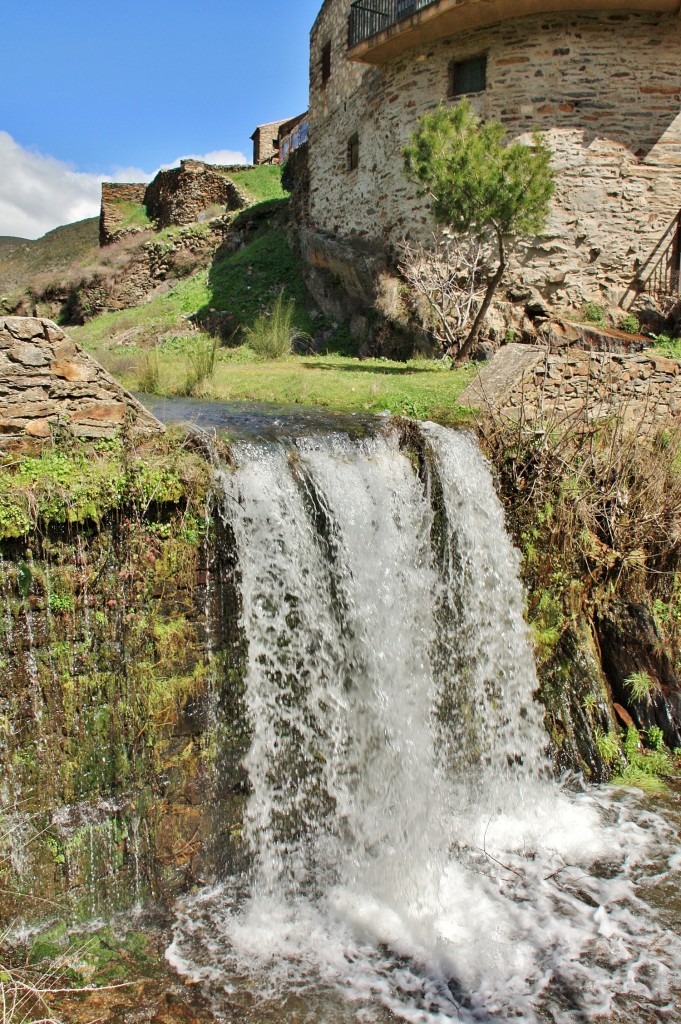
(604, 88)
(113, 194)
(182, 194)
(643, 387)
(46, 381)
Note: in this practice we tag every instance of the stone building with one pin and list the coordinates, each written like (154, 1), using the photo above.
(602, 81)
(265, 141)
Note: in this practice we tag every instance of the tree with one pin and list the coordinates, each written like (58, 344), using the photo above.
(480, 187)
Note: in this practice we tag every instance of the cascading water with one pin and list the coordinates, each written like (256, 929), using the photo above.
(410, 854)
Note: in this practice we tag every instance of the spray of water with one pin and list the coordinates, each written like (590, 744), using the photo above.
(409, 850)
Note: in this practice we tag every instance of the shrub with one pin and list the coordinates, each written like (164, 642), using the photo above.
(592, 313)
(273, 334)
(630, 324)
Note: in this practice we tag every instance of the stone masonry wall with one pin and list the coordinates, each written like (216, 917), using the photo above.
(645, 388)
(605, 88)
(46, 380)
(181, 194)
(113, 194)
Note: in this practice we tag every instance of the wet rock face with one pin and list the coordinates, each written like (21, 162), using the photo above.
(630, 643)
(47, 381)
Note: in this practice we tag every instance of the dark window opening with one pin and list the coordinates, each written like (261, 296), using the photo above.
(326, 63)
(353, 152)
(467, 76)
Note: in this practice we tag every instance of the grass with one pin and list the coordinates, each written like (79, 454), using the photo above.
(423, 389)
(273, 334)
(154, 318)
(132, 215)
(246, 282)
(243, 283)
(262, 182)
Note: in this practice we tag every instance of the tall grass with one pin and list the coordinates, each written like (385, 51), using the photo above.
(273, 334)
(149, 373)
(201, 357)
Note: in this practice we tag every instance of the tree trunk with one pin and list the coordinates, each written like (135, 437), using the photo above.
(492, 286)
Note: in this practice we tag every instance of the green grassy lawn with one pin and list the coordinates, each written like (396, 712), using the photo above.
(423, 389)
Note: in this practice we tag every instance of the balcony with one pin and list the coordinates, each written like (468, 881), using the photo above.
(369, 17)
(381, 30)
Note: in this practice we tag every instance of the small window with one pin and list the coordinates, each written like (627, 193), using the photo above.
(467, 76)
(326, 62)
(353, 152)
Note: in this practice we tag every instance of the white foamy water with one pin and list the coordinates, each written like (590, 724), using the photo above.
(411, 855)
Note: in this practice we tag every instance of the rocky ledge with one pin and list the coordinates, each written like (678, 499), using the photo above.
(48, 381)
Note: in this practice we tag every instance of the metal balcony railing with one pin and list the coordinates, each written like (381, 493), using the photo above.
(369, 17)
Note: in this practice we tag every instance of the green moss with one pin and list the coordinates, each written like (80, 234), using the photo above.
(81, 482)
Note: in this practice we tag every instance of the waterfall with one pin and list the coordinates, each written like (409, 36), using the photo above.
(409, 851)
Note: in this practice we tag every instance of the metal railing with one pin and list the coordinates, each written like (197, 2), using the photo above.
(660, 275)
(369, 17)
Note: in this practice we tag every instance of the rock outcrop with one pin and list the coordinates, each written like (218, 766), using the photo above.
(47, 381)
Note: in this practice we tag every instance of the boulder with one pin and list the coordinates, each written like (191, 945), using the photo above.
(48, 381)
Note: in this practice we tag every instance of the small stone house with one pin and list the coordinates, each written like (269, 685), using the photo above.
(602, 82)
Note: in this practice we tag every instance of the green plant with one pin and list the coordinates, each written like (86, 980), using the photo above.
(656, 738)
(149, 373)
(629, 323)
(592, 313)
(640, 685)
(480, 187)
(608, 746)
(201, 356)
(645, 769)
(273, 334)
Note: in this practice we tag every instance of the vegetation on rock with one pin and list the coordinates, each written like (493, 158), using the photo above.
(594, 507)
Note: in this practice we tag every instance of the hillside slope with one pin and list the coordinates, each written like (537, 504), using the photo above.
(22, 259)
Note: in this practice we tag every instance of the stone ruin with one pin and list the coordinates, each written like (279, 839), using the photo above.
(177, 196)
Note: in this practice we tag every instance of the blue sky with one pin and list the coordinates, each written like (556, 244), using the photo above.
(94, 88)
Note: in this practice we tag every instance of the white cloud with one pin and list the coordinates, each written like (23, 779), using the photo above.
(38, 193)
(226, 157)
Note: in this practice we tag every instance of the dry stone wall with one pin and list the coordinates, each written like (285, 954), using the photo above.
(606, 90)
(181, 194)
(46, 381)
(645, 388)
(113, 195)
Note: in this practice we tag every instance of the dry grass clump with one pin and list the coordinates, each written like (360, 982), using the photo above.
(602, 498)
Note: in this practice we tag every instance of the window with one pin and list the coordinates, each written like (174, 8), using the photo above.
(353, 152)
(326, 63)
(467, 76)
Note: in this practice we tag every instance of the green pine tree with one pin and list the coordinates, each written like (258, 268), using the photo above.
(480, 187)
